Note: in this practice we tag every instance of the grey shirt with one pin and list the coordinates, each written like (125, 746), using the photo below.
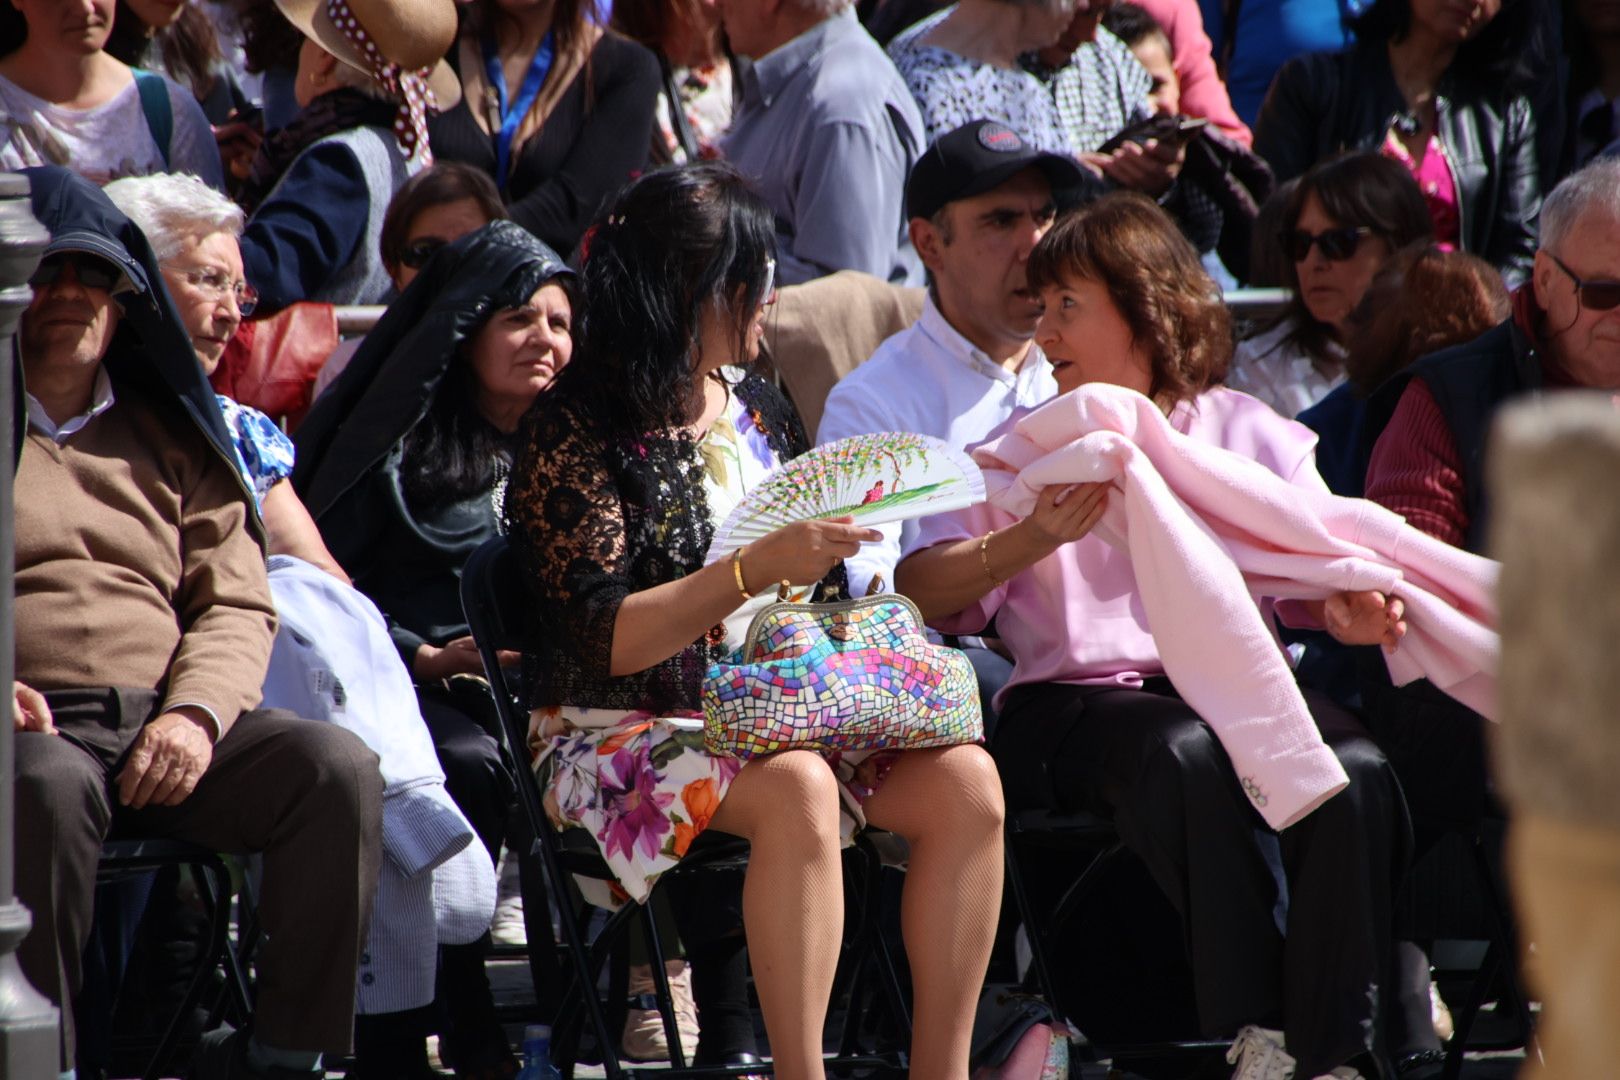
(828, 132)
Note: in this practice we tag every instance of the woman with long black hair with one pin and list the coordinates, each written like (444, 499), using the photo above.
(628, 466)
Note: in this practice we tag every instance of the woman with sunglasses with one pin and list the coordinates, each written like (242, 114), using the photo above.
(1344, 220)
(404, 463)
(628, 468)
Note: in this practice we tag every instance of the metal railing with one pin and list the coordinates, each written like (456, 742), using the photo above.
(1245, 304)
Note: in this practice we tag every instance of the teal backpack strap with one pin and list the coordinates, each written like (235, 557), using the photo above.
(154, 91)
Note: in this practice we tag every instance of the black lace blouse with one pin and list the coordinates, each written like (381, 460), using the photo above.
(595, 514)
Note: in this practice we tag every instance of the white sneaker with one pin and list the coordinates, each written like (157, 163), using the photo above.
(507, 927)
(1259, 1055)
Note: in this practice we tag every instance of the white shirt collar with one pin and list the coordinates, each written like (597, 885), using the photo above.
(100, 401)
(932, 322)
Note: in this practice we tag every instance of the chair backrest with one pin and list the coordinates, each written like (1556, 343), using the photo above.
(492, 596)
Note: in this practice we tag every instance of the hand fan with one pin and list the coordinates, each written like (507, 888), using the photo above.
(882, 477)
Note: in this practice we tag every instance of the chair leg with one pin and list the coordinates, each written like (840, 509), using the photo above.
(666, 1000)
(1032, 926)
(584, 973)
(213, 883)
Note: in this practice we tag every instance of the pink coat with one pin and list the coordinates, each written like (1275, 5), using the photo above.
(1210, 532)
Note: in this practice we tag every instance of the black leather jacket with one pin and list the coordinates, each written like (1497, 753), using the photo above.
(1323, 103)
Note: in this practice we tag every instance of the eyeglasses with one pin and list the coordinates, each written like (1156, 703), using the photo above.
(89, 271)
(416, 255)
(215, 283)
(1593, 295)
(1336, 244)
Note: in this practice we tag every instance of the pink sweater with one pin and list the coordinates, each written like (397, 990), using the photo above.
(1216, 508)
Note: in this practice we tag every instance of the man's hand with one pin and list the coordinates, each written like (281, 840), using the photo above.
(1365, 618)
(29, 711)
(1149, 167)
(169, 757)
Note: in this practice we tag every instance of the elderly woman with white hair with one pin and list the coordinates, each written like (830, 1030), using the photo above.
(962, 65)
(333, 658)
(194, 233)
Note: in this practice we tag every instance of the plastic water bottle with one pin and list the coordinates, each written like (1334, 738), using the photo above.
(537, 1054)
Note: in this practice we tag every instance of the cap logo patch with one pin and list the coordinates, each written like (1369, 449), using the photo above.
(1000, 139)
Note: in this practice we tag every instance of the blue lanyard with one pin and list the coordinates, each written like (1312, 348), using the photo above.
(512, 114)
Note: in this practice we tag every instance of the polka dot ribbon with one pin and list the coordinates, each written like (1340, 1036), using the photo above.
(410, 88)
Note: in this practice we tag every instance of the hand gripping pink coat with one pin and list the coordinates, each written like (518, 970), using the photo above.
(1210, 534)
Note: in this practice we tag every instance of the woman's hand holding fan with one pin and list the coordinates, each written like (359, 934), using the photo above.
(865, 479)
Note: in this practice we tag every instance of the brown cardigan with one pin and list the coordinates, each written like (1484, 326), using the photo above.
(135, 566)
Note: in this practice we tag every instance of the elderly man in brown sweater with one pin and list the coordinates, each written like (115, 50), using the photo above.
(144, 625)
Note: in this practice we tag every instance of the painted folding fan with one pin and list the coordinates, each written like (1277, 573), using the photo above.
(882, 477)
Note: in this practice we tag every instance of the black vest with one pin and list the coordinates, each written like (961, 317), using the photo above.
(1469, 382)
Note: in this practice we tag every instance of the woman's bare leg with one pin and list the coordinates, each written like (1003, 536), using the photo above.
(786, 806)
(947, 805)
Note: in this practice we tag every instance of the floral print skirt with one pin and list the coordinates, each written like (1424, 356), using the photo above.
(645, 787)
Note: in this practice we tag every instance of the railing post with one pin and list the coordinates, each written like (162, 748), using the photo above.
(28, 1022)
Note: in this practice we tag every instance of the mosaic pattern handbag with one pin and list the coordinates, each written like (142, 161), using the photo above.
(841, 676)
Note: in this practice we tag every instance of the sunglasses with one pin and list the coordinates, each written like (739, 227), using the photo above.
(416, 255)
(1336, 244)
(1593, 295)
(89, 271)
(770, 278)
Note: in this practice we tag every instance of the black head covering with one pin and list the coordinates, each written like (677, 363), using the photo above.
(387, 387)
(151, 354)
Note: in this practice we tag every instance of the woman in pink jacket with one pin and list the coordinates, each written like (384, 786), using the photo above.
(1090, 722)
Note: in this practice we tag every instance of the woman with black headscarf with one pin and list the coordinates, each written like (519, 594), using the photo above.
(403, 465)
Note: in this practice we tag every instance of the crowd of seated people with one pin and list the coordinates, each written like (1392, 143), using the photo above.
(576, 217)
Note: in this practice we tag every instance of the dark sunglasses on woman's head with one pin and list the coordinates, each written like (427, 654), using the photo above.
(1594, 295)
(89, 271)
(416, 255)
(1336, 244)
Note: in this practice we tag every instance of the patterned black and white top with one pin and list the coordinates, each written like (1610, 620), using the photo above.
(1100, 90)
(952, 90)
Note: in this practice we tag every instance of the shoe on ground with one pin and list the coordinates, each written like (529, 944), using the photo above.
(1259, 1055)
(644, 1038)
(222, 1055)
(507, 928)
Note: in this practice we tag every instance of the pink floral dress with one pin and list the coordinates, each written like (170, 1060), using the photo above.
(643, 785)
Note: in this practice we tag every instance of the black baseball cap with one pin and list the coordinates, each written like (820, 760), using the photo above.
(977, 157)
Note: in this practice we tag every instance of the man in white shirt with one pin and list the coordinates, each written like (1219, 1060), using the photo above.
(978, 200)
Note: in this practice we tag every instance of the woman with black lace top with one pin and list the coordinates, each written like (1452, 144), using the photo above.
(642, 447)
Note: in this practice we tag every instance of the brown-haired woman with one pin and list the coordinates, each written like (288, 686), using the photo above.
(1089, 721)
(1425, 300)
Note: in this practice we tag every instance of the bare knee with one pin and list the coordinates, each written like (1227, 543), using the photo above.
(787, 798)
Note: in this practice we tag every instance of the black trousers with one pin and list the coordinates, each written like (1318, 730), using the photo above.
(305, 795)
(1310, 953)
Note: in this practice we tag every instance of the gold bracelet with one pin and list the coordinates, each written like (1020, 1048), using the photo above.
(736, 572)
(984, 559)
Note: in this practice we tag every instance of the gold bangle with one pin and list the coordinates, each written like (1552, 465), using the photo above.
(984, 559)
(736, 572)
